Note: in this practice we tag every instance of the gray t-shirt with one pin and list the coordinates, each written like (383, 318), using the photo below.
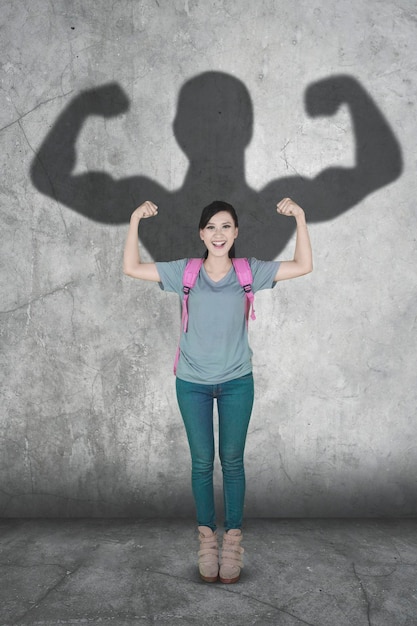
(215, 347)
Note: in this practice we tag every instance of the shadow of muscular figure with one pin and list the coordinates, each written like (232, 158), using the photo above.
(213, 126)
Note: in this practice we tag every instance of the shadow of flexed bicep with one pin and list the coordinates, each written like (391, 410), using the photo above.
(378, 158)
(93, 194)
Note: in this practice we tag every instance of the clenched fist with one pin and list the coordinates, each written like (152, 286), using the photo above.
(147, 209)
(289, 207)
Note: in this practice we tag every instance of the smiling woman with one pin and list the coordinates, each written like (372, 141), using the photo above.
(216, 362)
(219, 228)
(220, 233)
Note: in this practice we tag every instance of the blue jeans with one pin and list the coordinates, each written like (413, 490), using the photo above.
(234, 406)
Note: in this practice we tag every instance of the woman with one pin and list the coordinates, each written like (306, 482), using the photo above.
(215, 362)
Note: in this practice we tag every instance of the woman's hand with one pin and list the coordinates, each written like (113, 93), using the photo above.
(289, 207)
(147, 209)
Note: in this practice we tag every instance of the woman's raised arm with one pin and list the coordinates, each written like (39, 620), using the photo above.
(302, 262)
(132, 265)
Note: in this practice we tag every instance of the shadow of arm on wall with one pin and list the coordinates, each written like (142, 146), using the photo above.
(378, 159)
(94, 194)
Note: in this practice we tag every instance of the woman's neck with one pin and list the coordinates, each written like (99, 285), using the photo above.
(217, 267)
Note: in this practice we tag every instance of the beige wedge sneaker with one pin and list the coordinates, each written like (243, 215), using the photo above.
(208, 555)
(231, 559)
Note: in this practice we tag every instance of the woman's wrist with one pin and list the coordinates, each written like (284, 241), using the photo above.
(134, 220)
(301, 219)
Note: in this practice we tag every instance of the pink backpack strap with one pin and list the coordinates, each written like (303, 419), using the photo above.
(245, 278)
(189, 279)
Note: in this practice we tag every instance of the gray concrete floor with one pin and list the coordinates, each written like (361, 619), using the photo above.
(126, 572)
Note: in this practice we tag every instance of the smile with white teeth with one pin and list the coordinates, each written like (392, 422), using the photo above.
(218, 244)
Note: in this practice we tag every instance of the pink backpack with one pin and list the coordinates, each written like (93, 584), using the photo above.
(189, 278)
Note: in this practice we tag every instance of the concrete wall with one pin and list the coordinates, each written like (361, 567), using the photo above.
(106, 104)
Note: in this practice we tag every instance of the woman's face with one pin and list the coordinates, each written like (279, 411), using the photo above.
(219, 234)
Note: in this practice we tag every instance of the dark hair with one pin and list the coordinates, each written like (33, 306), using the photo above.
(213, 208)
